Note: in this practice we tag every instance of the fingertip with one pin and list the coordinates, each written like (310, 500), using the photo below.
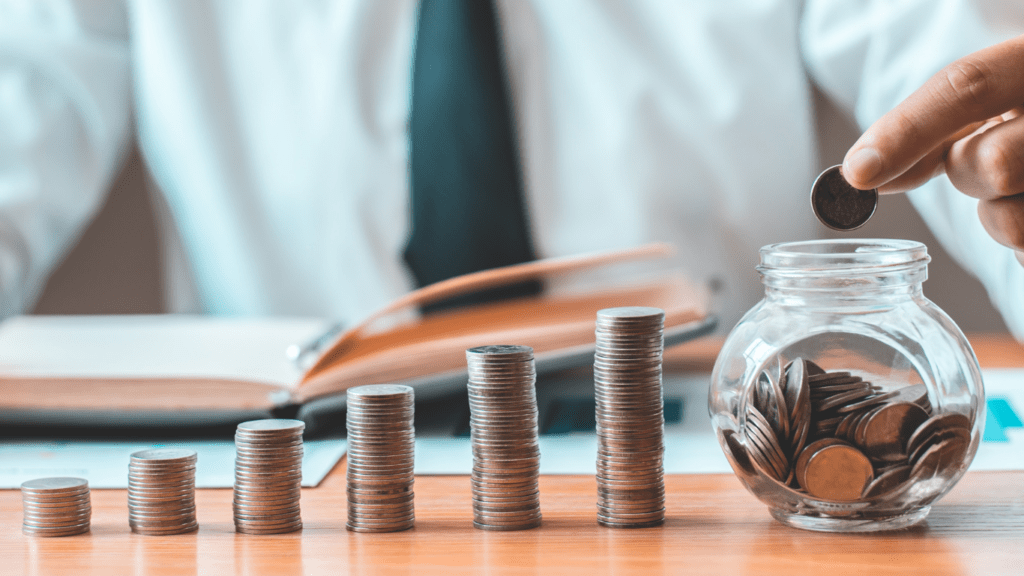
(894, 188)
(862, 166)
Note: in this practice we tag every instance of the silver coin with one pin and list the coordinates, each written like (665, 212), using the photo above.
(164, 478)
(57, 532)
(375, 391)
(80, 500)
(266, 497)
(145, 531)
(293, 453)
(486, 524)
(500, 528)
(284, 529)
(381, 522)
(500, 352)
(398, 527)
(400, 498)
(399, 456)
(265, 507)
(271, 426)
(58, 485)
(166, 455)
(613, 523)
(265, 516)
(147, 511)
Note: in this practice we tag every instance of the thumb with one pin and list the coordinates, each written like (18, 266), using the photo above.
(972, 89)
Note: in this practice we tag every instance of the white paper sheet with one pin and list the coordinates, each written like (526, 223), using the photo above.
(163, 346)
(1005, 454)
(691, 447)
(105, 464)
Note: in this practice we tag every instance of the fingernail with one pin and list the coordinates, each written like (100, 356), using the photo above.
(863, 165)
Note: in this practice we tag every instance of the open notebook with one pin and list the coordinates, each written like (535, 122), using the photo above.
(175, 370)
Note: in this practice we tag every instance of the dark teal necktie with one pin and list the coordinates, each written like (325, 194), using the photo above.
(467, 203)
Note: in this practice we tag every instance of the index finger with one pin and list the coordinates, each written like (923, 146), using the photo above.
(972, 89)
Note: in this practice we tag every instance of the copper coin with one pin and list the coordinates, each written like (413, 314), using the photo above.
(822, 377)
(915, 394)
(887, 430)
(846, 426)
(839, 400)
(771, 443)
(798, 400)
(887, 481)
(762, 453)
(771, 403)
(805, 456)
(737, 454)
(838, 473)
(861, 428)
(934, 424)
(839, 205)
(812, 369)
(937, 437)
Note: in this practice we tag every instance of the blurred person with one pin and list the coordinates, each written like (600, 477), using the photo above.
(296, 145)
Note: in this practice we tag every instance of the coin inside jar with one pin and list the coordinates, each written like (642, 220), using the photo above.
(838, 472)
(887, 430)
(839, 205)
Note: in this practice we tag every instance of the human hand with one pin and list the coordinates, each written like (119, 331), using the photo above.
(965, 121)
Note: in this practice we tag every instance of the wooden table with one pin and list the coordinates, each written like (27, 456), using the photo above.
(714, 526)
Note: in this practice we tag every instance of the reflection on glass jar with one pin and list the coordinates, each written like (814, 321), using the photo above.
(845, 400)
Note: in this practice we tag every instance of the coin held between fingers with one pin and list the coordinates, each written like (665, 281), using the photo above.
(839, 205)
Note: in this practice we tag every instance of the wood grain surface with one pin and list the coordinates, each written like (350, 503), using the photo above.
(714, 526)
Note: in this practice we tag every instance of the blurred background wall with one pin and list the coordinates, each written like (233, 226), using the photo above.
(115, 268)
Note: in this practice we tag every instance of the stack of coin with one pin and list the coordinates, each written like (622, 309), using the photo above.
(268, 476)
(842, 439)
(56, 507)
(162, 491)
(503, 424)
(630, 417)
(381, 445)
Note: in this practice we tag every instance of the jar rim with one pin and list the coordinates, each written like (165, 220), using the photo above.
(842, 255)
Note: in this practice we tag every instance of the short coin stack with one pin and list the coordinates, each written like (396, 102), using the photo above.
(162, 491)
(268, 476)
(630, 417)
(503, 424)
(381, 445)
(56, 507)
(840, 438)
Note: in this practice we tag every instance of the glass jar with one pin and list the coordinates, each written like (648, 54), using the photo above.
(845, 400)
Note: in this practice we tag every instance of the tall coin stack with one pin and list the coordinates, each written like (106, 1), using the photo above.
(162, 491)
(503, 424)
(630, 417)
(268, 476)
(56, 507)
(381, 442)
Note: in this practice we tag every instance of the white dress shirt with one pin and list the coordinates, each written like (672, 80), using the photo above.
(277, 134)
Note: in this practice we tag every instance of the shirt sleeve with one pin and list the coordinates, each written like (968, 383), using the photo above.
(64, 116)
(870, 55)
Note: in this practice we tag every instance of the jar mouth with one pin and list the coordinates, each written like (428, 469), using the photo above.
(842, 255)
(818, 263)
